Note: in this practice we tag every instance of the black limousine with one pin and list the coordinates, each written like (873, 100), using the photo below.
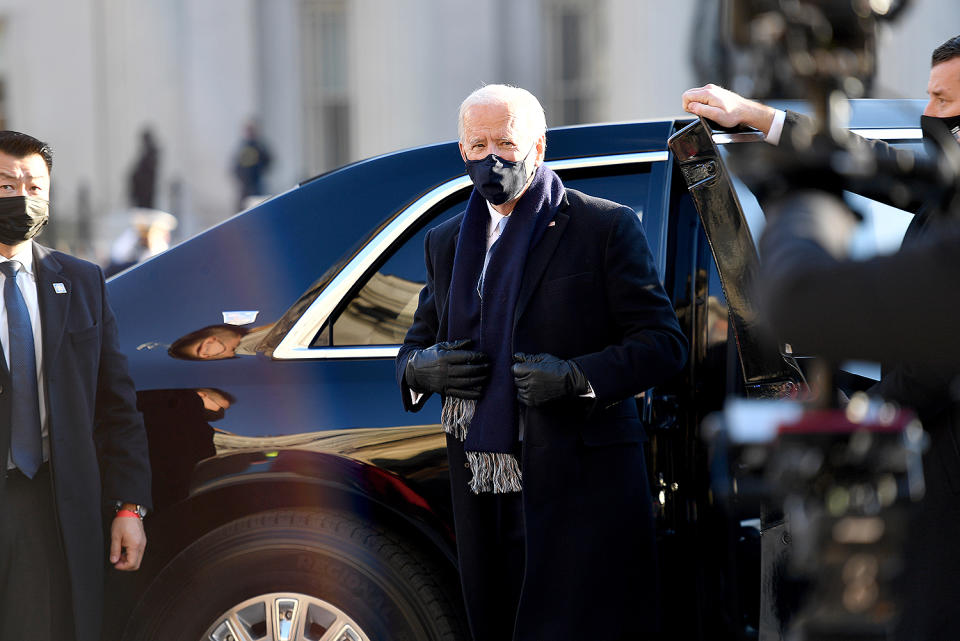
(295, 499)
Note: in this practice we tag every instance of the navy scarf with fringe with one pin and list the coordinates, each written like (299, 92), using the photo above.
(489, 428)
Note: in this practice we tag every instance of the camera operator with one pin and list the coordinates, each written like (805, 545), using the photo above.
(898, 309)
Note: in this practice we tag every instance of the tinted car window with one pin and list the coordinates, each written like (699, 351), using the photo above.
(381, 310)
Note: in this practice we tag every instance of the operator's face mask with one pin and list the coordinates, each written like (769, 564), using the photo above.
(499, 180)
(22, 218)
(930, 126)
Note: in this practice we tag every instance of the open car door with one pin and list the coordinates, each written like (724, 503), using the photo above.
(765, 372)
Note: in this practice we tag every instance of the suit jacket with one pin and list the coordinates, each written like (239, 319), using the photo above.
(590, 292)
(921, 208)
(98, 446)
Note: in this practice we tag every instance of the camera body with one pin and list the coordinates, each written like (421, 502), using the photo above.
(843, 482)
(820, 46)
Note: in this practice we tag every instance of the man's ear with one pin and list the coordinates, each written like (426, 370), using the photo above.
(202, 345)
(462, 154)
(541, 149)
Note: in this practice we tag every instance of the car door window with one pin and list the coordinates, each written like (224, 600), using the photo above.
(381, 309)
(380, 312)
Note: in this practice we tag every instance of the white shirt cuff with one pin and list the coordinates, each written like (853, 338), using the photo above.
(776, 128)
(590, 393)
(415, 396)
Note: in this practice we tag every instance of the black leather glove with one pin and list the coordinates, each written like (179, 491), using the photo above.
(448, 369)
(541, 378)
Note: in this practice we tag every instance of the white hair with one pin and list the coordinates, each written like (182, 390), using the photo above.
(527, 105)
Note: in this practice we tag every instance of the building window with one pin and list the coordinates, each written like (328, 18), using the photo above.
(4, 62)
(326, 85)
(573, 57)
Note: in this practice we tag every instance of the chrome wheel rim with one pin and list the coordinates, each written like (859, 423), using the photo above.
(284, 616)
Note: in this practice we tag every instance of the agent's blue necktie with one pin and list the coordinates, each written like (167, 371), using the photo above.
(25, 446)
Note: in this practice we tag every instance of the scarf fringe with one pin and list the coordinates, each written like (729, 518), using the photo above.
(456, 416)
(493, 472)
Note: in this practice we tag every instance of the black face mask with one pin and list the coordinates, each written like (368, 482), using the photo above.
(213, 415)
(499, 180)
(934, 129)
(22, 218)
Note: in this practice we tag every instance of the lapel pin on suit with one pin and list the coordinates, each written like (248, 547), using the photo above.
(60, 288)
(552, 223)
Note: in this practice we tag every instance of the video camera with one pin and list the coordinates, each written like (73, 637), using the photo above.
(823, 45)
(827, 50)
(834, 488)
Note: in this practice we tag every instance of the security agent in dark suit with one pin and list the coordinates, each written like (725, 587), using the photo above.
(541, 318)
(72, 440)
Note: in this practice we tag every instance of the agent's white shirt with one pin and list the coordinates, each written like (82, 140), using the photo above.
(776, 127)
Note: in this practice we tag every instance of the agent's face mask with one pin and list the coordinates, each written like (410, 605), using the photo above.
(930, 125)
(499, 180)
(211, 416)
(22, 218)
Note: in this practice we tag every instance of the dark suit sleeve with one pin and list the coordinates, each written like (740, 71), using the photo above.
(879, 148)
(651, 348)
(920, 386)
(118, 426)
(422, 333)
(793, 120)
(889, 308)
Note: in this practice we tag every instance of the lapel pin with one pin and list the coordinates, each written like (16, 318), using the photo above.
(552, 223)
(60, 288)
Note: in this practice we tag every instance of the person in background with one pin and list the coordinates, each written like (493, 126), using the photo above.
(250, 164)
(148, 235)
(143, 177)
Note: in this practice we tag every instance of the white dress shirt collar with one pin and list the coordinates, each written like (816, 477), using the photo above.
(495, 218)
(25, 256)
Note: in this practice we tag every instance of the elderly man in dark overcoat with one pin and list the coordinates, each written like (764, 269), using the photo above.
(72, 441)
(541, 318)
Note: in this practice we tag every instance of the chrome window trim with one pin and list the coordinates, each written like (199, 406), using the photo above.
(296, 344)
(347, 351)
(905, 133)
(743, 136)
(912, 133)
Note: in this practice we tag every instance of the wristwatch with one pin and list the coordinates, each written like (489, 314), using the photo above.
(139, 510)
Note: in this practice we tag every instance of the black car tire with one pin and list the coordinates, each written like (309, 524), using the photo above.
(389, 588)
